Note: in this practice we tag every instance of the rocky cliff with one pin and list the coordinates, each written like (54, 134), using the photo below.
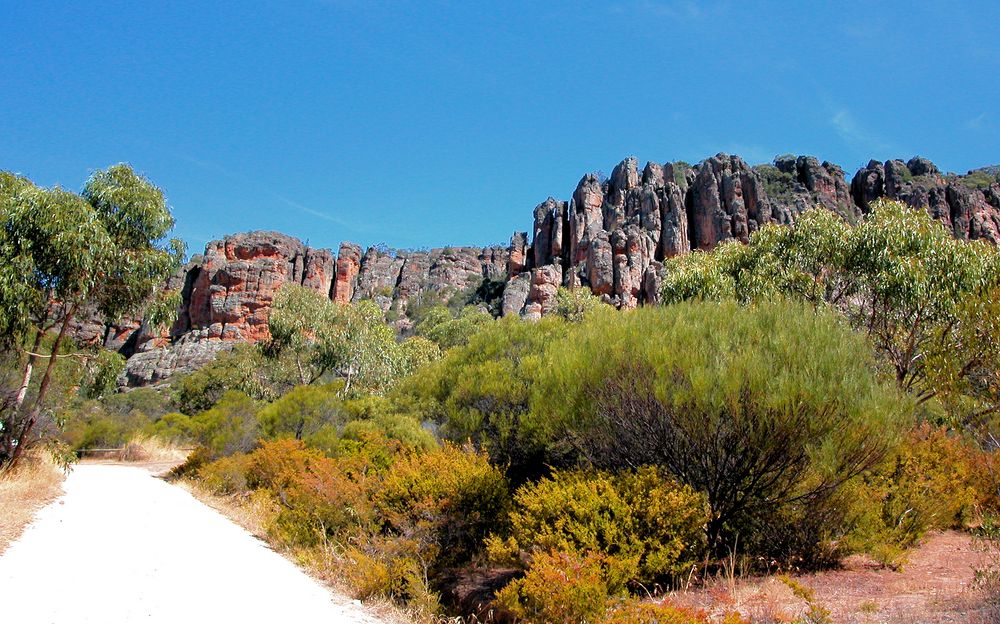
(610, 236)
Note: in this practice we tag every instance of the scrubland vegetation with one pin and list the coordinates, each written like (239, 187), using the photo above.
(826, 390)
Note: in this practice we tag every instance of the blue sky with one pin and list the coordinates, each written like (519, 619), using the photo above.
(429, 123)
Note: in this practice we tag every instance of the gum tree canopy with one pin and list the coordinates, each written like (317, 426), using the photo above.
(927, 300)
(104, 249)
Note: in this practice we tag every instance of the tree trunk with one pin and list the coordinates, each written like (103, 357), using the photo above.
(29, 367)
(43, 389)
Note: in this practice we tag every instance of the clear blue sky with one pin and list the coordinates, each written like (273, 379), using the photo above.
(433, 123)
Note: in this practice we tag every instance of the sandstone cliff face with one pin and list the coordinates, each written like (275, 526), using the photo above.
(226, 296)
(611, 237)
(621, 229)
(970, 211)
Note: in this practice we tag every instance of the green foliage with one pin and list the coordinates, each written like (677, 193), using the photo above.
(319, 337)
(980, 179)
(174, 427)
(103, 250)
(480, 391)
(898, 276)
(447, 331)
(414, 352)
(229, 427)
(759, 408)
(399, 427)
(929, 482)
(243, 368)
(135, 216)
(575, 304)
(778, 184)
(680, 170)
(162, 309)
(302, 412)
(111, 421)
(102, 373)
(488, 296)
(647, 527)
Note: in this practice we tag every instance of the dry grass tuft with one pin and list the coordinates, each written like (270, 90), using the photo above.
(149, 449)
(36, 481)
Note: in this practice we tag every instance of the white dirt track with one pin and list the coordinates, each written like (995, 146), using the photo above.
(123, 546)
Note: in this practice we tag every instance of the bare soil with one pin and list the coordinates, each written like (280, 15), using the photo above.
(933, 587)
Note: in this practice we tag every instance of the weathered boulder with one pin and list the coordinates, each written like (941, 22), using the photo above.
(190, 352)
(544, 283)
(550, 229)
(234, 286)
(515, 294)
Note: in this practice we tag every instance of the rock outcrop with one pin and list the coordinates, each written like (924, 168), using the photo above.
(227, 295)
(622, 228)
(968, 205)
(610, 237)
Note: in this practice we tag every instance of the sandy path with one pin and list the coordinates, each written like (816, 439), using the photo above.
(123, 546)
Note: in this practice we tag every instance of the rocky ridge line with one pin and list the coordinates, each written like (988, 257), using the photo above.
(611, 236)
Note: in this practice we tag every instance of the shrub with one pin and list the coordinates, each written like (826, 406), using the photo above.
(559, 588)
(202, 389)
(446, 501)
(760, 408)
(638, 612)
(230, 426)
(573, 305)
(227, 475)
(480, 392)
(404, 429)
(898, 276)
(174, 427)
(928, 482)
(302, 412)
(645, 526)
(449, 331)
(322, 497)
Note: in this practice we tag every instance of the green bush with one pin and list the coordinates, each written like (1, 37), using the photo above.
(302, 412)
(400, 427)
(931, 481)
(899, 276)
(646, 526)
(760, 408)
(227, 475)
(229, 427)
(480, 392)
(447, 331)
(233, 370)
(575, 304)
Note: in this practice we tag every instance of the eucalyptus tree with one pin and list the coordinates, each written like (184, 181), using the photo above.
(62, 252)
(925, 299)
(316, 338)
